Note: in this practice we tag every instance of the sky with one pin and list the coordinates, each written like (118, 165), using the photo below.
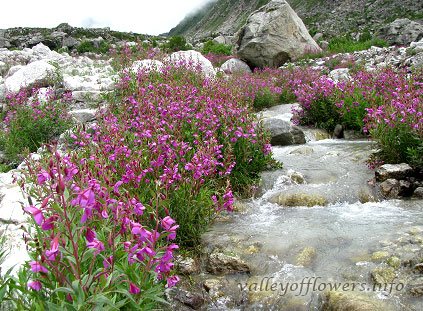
(151, 17)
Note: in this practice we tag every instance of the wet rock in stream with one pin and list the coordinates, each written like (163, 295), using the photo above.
(350, 301)
(299, 199)
(223, 263)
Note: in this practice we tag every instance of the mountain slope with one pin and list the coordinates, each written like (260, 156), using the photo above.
(331, 17)
(218, 16)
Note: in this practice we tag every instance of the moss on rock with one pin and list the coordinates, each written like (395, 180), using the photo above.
(350, 301)
(306, 256)
(383, 275)
(299, 199)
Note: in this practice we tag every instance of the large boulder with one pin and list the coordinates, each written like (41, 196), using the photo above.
(192, 59)
(38, 73)
(402, 31)
(273, 35)
(234, 65)
(283, 133)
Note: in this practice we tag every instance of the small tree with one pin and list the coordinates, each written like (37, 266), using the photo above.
(177, 43)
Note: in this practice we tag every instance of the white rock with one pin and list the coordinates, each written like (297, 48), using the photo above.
(192, 59)
(80, 83)
(16, 253)
(340, 74)
(11, 205)
(2, 89)
(147, 65)
(234, 65)
(38, 72)
(44, 94)
(417, 46)
(13, 70)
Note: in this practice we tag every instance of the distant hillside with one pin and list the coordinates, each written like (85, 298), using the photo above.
(331, 17)
(217, 16)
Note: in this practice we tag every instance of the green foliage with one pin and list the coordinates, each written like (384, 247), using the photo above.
(323, 114)
(177, 43)
(265, 99)
(346, 44)
(287, 96)
(90, 47)
(397, 144)
(216, 48)
(192, 213)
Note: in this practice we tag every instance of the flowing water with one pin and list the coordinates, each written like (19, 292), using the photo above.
(322, 245)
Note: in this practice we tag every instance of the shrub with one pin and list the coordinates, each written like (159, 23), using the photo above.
(90, 47)
(347, 44)
(265, 99)
(31, 122)
(177, 43)
(216, 48)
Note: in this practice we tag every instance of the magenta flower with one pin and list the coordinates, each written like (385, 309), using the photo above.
(172, 281)
(90, 235)
(167, 222)
(54, 249)
(48, 224)
(37, 267)
(42, 177)
(86, 198)
(96, 244)
(107, 262)
(133, 289)
(34, 285)
(36, 213)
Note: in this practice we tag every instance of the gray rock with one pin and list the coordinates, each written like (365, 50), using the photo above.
(352, 135)
(393, 171)
(283, 133)
(324, 45)
(4, 43)
(416, 286)
(406, 188)
(234, 65)
(190, 299)
(3, 68)
(402, 32)
(274, 35)
(70, 42)
(418, 193)
(338, 131)
(83, 115)
(220, 40)
(220, 263)
(2, 89)
(390, 188)
(317, 36)
(86, 96)
(186, 265)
